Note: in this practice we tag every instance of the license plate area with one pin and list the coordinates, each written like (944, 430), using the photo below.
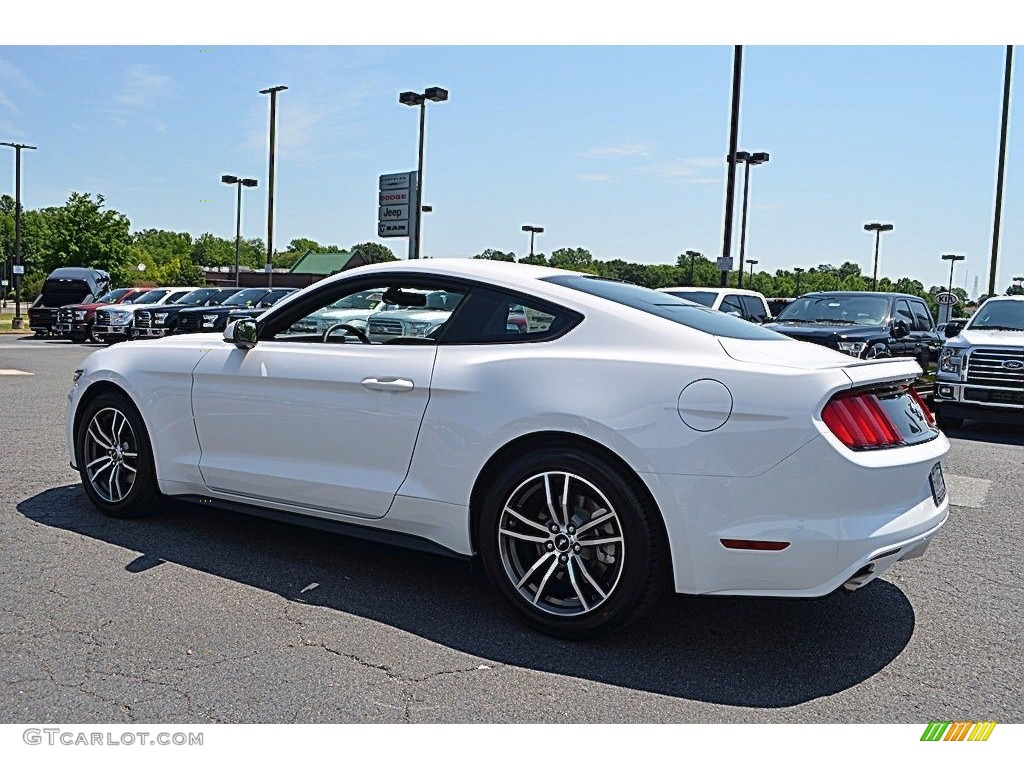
(938, 483)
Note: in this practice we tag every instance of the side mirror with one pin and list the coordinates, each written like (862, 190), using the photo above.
(900, 329)
(953, 328)
(241, 333)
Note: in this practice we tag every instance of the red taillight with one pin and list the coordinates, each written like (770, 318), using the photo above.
(923, 405)
(859, 421)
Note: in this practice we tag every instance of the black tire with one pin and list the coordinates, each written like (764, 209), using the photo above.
(78, 339)
(592, 590)
(107, 490)
(948, 422)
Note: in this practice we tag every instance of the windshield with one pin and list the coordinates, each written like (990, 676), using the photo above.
(221, 295)
(111, 296)
(150, 297)
(837, 310)
(667, 306)
(999, 315)
(246, 298)
(197, 297)
(273, 297)
(707, 298)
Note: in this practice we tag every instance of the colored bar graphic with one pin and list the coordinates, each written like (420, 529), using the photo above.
(958, 730)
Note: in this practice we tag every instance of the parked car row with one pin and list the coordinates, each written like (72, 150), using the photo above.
(77, 304)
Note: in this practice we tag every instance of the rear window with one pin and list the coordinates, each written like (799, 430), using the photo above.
(57, 293)
(667, 306)
(707, 298)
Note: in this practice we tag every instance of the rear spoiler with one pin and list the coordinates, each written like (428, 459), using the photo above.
(866, 372)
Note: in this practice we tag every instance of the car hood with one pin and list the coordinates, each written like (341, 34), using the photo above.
(89, 307)
(822, 333)
(994, 338)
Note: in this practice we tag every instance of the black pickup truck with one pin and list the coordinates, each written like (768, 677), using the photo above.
(66, 285)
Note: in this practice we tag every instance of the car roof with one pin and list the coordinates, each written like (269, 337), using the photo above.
(880, 294)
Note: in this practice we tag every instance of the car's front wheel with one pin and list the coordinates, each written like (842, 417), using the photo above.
(572, 543)
(115, 459)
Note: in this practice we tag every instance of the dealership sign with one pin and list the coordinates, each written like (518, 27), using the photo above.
(949, 299)
(396, 205)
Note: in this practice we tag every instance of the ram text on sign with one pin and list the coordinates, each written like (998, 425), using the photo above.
(393, 229)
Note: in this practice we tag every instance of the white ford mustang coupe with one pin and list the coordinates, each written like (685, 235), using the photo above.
(621, 441)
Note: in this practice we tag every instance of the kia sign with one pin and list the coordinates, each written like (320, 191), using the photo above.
(947, 299)
(396, 205)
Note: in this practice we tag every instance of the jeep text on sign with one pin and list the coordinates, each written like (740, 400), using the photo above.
(393, 213)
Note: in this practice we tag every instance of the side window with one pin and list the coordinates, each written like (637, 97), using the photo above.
(922, 317)
(754, 307)
(731, 304)
(492, 316)
(400, 313)
(903, 313)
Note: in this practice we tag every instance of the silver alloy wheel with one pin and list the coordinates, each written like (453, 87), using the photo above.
(876, 351)
(110, 455)
(561, 543)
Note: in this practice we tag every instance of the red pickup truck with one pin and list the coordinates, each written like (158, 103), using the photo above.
(75, 320)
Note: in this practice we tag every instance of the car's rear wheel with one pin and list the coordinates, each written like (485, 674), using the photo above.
(572, 543)
(115, 459)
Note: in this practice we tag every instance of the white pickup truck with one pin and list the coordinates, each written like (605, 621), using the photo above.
(981, 367)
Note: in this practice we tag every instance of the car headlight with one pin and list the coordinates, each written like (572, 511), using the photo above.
(209, 321)
(121, 317)
(80, 314)
(854, 348)
(950, 359)
(416, 329)
(159, 318)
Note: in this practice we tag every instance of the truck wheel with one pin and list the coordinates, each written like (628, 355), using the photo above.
(948, 422)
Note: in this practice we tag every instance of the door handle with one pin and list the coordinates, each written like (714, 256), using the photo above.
(388, 384)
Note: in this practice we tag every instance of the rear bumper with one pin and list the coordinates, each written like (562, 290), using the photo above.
(836, 510)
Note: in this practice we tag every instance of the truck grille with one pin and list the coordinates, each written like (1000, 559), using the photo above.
(385, 327)
(143, 319)
(103, 317)
(986, 367)
(188, 322)
(999, 396)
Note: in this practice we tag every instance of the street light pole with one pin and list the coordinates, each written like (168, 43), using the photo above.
(16, 322)
(734, 134)
(878, 229)
(748, 159)
(533, 231)
(693, 259)
(1000, 173)
(413, 99)
(238, 182)
(270, 181)
(952, 258)
(752, 262)
(799, 271)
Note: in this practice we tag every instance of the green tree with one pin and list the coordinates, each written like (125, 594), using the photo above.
(82, 234)
(374, 253)
(539, 259)
(496, 255)
(579, 259)
(209, 250)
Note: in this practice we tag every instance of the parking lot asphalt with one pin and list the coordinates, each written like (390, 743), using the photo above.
(202, 615)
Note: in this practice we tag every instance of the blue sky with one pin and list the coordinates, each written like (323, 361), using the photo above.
(617, 149)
